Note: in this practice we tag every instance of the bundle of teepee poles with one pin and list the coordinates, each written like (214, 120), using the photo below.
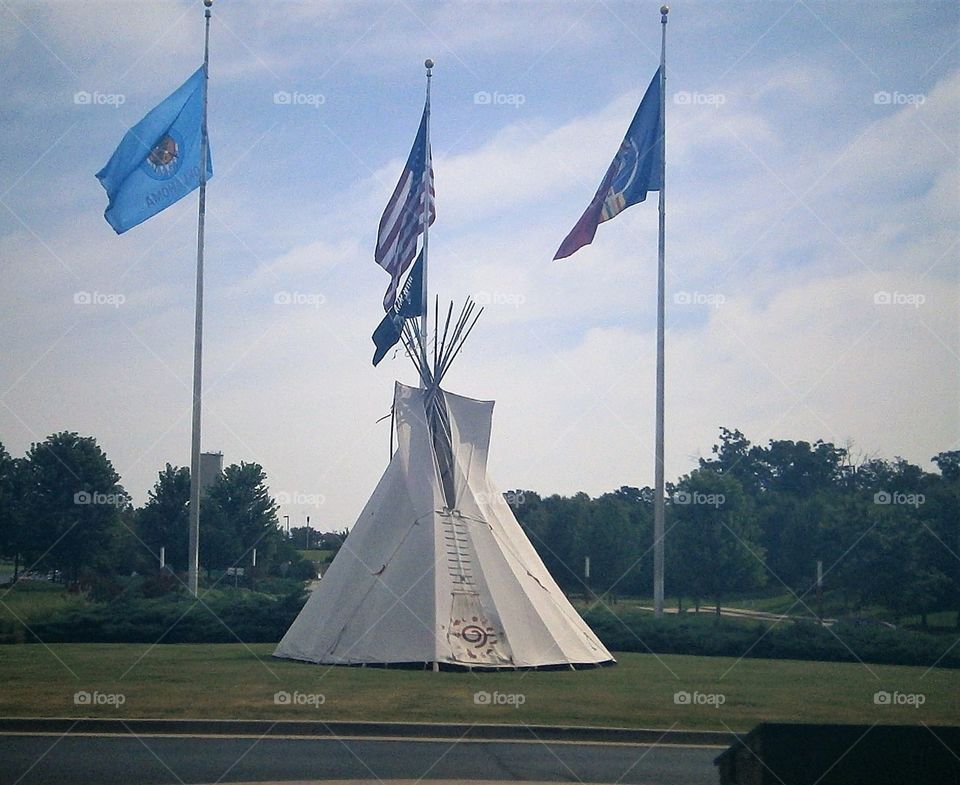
(446, 347)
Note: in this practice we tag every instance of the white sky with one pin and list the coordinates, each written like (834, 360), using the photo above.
(795, 195)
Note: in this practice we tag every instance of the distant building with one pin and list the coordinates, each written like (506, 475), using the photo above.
(211, 467)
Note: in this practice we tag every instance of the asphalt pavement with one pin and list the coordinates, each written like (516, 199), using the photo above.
(123, 759)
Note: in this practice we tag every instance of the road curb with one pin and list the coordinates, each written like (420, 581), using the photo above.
(400, 730)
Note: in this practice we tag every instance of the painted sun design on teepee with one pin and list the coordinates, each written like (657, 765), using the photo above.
(476, 632)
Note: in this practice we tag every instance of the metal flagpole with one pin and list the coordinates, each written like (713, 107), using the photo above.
(193, 560)
(658, 501)
(427, 201)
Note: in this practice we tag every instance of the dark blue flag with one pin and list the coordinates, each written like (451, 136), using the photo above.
(158, 161)
(409, 305)
(636, 169)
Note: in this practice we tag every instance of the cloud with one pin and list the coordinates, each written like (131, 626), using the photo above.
(821, 360)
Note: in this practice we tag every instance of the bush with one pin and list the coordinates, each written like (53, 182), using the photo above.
(218, 617)
(279, 587)
(229, 616)
(11, 631)
(799, 640)
(303, 570)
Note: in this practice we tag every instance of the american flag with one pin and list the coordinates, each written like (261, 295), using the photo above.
(402, 221)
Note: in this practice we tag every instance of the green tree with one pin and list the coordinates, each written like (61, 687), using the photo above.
(792, 535)
(798, 482)
(304, 537)
(564, 543)
(237, 515)
(884, 540)
(164, 520)
(714, 543)
(887, 565)
(9, 518)
(556, 526)
(940, 537)
(72, 500)
(800, 468)
(949, 465)
(611, 541)
(621, 537)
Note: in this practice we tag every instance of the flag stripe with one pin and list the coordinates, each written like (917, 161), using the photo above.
(402, 220)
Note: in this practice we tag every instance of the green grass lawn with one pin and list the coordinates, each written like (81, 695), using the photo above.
(236, 681)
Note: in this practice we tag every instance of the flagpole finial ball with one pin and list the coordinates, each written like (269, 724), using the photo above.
(428, 63)
(664, 9)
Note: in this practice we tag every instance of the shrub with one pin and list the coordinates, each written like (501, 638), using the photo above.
(218, 617)
(798, 640)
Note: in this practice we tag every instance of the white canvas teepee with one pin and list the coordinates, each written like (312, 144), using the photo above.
(437, 569)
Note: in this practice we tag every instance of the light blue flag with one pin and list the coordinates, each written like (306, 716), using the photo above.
(158, 161)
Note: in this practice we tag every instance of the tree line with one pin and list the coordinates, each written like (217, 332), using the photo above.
(63, 510)
(748, 519)
(755, 518)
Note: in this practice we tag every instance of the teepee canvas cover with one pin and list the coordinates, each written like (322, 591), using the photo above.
(437, 568)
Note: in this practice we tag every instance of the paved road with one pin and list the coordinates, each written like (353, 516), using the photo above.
(746, 613)
(164, 760)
